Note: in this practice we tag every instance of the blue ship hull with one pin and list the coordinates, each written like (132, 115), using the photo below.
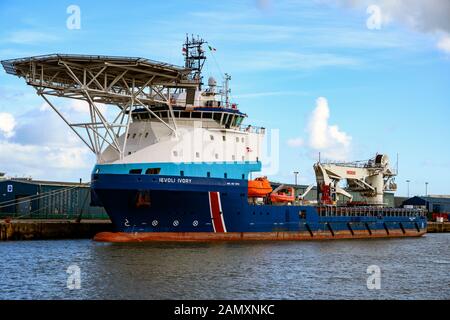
(158, 207)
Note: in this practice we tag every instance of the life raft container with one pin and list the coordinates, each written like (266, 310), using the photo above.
(260, 187)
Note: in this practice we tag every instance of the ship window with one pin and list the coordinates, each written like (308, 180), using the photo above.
(225, 175)
(129, 152)
(243, 176)
(164, 114)
(146, 134)
(182, 173)
(185, 114)
(208, 174)
(212, 137)
(242, 139)
(128, 136)
(135, 171)
(153, 171)
(217, 156)
(175, 153)
(237, 139)
(225, 118)
(233, 157)
(217, 116)
(224, 138)
(134, 135)
(243, 158)
(207, 115)
(196, 115)
(197, 154)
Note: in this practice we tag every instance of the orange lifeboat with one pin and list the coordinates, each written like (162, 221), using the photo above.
(284, 195)
(260, 187)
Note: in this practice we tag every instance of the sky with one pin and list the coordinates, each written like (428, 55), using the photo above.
(346, 78)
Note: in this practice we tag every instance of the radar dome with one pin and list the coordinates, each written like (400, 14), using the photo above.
(212, 82)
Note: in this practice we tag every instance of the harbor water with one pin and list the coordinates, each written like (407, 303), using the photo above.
(411, 268)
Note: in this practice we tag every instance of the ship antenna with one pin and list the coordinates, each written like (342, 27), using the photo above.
(227, 90)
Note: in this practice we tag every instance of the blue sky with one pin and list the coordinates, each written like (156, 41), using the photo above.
(385, 90)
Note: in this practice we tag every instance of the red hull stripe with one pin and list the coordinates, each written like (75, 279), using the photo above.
(216, 212)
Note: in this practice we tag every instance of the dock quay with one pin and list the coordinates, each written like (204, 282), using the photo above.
(40, 229)
(438, 227)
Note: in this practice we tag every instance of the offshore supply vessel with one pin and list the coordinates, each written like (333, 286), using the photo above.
(175, 162)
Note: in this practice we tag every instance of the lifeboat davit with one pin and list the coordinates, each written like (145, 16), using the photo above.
(260, 187)
(283, 196)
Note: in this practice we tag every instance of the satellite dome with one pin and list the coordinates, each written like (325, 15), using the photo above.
(212, 82)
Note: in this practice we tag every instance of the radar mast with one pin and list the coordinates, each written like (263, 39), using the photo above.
(194, 57)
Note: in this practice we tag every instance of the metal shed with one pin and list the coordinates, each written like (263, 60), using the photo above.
(27, 198)
(434, 204)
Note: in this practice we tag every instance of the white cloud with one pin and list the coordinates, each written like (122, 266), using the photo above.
(29, 37)
(430, 16)
(81, 106)
(325, 138)
(25, 156)
(44, 147)
(444, 44)
(291, 60)
(296, 142)
(7, 124)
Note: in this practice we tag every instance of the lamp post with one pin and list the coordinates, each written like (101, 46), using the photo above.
(408, 181)
(296, 174)
(426, 189)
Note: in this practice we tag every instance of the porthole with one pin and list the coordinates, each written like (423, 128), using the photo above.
(176, 223)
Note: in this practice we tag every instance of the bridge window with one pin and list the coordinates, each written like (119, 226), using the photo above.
(217, 116)
(196, 115)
